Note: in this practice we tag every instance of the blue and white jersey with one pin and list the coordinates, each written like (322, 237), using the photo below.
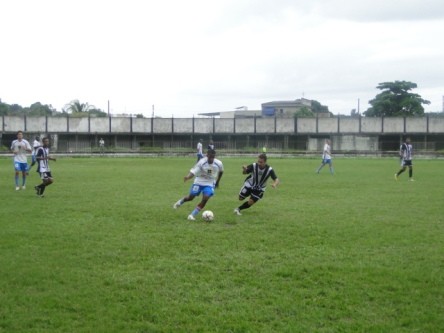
(206, 174)
(406, 151)
(20, 148)
(43, 163)
(326, 154)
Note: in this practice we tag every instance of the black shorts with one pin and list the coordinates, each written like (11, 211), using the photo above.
(407, 163)
(45, 175)
(253, 193)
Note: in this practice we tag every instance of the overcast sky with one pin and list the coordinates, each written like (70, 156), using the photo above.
(188, 57)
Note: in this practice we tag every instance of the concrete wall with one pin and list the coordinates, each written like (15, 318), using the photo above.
(142, 125)
(436, 125)
(416, 125)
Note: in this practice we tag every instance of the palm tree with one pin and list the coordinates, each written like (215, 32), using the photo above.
(76, 107)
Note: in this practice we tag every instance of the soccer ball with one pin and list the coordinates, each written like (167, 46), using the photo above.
(208, 215)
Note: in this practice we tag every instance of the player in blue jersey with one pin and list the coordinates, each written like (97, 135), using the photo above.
(20, 147)
(406, 155)
(207, 174)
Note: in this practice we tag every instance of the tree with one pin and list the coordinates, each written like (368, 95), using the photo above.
(304, 112)
(38, 109)
(317, 107)
(76, 107)
(396, 100)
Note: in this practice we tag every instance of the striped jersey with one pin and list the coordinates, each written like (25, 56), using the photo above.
(258, 177)
(406, 151)
(20, 147)
(43, 164)
(206, 174)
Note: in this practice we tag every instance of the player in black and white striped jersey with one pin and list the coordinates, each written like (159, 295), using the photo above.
(255, 184)
(43, 158)
(406, 155)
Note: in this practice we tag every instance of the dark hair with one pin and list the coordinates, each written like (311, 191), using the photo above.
(45, 138)
(19, 132)
(37, 138)
(211, 152)
(263, 157)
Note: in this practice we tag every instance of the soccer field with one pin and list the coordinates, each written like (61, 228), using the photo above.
(104, 251)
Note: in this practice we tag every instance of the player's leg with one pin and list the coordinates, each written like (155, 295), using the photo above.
(403, 167)
(244, 192)
(254, 197)
(410, 172)
(24, 168)
(207, 193)
(194, 192)
(17, 175)
(321, 166)
(330, 164)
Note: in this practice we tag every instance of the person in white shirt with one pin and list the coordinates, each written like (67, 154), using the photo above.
(326, 157)
(199, 150)
(35, 145)
(102, 145)
(20, 147)
(207, 172)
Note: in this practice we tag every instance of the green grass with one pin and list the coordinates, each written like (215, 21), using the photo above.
(105, 251)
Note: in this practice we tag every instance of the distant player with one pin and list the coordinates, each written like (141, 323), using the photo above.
(211, 145)
(255, 184)
(102, 146)
(20, 147)
(406, 155)
(326, 157)
(36, 144)
(208, 172)
(43, 159)
(199, 150)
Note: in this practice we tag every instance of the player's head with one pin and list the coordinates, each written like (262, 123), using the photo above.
(262, 160)
(45, 142)
(19, 135)
(211, 154)
(37, 138)
(407, 140)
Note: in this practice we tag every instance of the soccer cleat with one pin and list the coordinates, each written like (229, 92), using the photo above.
(37, 190)
(411, 180)
(17, 188)
(23, 187)
(191, 218)
(237, 211)
(176, 205)
(396, 176)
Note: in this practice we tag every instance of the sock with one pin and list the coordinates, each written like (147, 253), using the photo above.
(195, 211)
(42, 188)
(332, 171)
(16, 180)
(23, 180)
(245, 205)
(410, 173)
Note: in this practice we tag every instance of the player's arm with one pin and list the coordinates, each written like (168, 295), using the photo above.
(219, 176)
(276, 180)
(189, 176)
(247, 169)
